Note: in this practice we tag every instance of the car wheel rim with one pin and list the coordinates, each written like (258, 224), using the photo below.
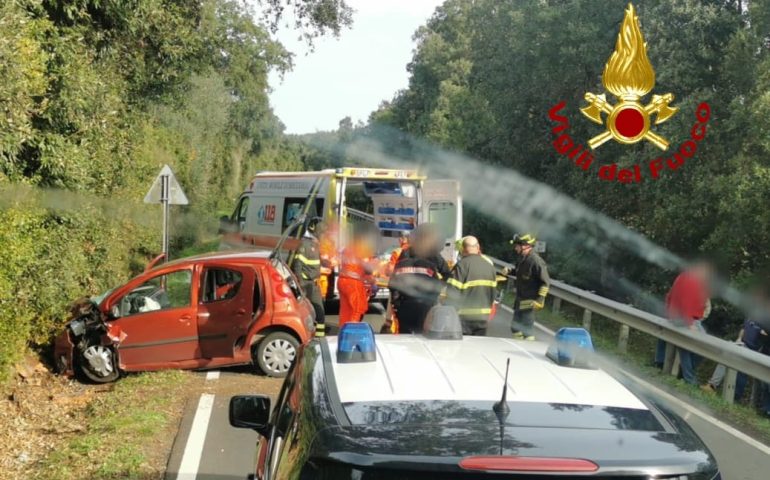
(278, 355)
(99, 360)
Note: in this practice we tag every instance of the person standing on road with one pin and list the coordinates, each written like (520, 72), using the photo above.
(306, 265)
(355, 273)
(688, 304)
(532, 284)
(471, 288)
(416, 282)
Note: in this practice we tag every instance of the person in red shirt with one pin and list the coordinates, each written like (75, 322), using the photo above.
(687, 304)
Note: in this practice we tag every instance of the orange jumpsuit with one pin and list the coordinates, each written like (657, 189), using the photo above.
(354, 296)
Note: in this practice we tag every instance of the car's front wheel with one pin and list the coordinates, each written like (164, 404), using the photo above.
(99, 364)
(275, 353)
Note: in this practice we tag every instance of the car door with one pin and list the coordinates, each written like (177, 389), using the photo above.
(441, 205)
(157, 317)
(226, 307)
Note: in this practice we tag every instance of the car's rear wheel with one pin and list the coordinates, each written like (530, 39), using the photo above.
(275, 353)
(99, 364)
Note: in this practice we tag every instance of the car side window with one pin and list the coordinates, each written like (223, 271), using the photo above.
(163, 292)
(292, 207)
(220, 284)
(241, 212)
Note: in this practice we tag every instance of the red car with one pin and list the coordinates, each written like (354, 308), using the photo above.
(216, 310)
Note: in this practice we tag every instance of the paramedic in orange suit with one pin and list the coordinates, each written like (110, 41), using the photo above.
(355, 273)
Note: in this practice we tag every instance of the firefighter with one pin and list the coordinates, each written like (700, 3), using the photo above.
(532, 283)
(355, 273)
(395, 255)
(471, 288)
(306, 265)
(416, 282)
(327, 238)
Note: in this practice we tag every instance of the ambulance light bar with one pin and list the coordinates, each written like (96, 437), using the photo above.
(572, 347)
(355, 343)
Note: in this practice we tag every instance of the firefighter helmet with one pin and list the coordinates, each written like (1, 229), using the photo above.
(525, 239)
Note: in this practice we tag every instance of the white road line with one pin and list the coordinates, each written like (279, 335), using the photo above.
(212, 375)
(687, 407)
(191, 459)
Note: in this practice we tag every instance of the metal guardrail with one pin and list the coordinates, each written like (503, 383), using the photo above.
(732, 356)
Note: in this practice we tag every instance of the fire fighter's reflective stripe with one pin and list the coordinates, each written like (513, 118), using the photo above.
(473, 283)
(525, 304)
(417, 270)
(474, 311)
(306, 260)
(543, 291)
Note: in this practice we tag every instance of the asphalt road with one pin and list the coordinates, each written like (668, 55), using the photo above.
(207, 448)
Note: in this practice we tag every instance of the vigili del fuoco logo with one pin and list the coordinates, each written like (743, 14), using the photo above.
(629, 76)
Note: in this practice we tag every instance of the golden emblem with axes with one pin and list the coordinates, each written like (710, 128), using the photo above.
(629, 76)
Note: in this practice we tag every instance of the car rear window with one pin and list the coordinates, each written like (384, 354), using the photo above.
(523, 414)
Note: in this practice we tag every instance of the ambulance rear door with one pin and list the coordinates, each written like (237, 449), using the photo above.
(440, 203)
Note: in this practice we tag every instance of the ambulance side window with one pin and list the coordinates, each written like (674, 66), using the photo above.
(292, 207)
(239, 217)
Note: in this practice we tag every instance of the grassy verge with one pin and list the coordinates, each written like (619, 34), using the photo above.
(638, 358)
(125, 428)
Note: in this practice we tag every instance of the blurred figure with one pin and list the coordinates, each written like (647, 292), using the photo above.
(403, 245)
(327, 244)
(355, 273)
(688, 303)
(471, 288)
(416, 281)
(306, 265)
(532, 284)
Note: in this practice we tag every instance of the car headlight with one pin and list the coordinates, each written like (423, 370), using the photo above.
(78, 327)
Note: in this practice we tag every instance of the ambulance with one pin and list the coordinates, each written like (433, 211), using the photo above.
(392, 201)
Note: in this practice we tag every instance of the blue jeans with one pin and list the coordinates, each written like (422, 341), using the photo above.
(766, 398)
(688, 361)
(660, 353)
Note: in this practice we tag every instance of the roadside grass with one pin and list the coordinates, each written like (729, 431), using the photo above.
(638, 360)
(123, 429)
(199, 248)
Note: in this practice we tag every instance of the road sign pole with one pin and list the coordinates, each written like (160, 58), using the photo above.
(164, 196)
(166, 191)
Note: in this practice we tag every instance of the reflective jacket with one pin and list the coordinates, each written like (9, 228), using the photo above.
(471, 287)
(532, 280)
(307, 260)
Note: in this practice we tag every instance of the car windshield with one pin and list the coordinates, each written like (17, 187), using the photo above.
(98, 299)
(523, 414)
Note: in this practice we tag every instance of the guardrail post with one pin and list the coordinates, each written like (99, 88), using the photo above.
(556, 305)
(677, 364)
(670, 359)
(728, 388)
(587, 319)
(623, 338)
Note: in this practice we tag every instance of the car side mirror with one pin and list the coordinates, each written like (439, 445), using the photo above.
(251, 411)
(115, 311)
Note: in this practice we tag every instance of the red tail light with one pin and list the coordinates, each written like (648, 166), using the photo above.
(528, 464)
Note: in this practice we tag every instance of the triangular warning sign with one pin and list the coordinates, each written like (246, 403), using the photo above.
(175, 194)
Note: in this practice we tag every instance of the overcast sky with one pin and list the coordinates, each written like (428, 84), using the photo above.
(351, 75)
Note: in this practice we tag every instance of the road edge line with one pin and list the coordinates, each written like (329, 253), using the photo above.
(193, 450)
(686, 406)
